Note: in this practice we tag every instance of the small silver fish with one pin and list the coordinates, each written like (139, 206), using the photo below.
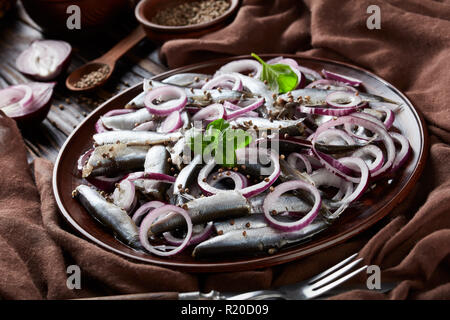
(112, 158)
(130, 138)
(109, 214)
(127, 121)
(190, 80)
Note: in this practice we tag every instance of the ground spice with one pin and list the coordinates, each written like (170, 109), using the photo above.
(189, 13)
(92, 78)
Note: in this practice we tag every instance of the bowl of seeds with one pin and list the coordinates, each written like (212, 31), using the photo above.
(171, 19)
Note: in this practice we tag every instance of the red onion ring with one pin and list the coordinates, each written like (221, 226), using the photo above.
(389, 118)
(210, 113)
(403, 154)
(151, 217)
(295, 67)
(152, 176)
(174, 100)
(144, 209)
(243, 65)
(172, 122)
(375, 152)
(230, 107)
(293, 160)
(224, 81)
(241, 111)
(288, 186)
(146, 126)
(326, 84)
(124, 196)
(339, 77)
(196, 238)
(333, 99)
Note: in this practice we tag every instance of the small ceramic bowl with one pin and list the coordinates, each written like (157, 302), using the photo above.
(147, 9)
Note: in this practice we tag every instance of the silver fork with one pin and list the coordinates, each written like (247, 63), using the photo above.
(311, 288)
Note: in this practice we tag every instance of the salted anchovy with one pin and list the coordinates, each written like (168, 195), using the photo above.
(286, 202)
(223, 205)
(109, 214)
(317, 97)
(335, 149)
(202, 98)
(177, 151)
(184, 179)
(127, 121)
(191, 80)
(258, 240)
(137, 102)
(135, 137)
(290, 127)
(253, 221)
(112, 158)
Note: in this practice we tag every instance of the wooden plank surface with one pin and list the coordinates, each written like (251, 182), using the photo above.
(68, 109)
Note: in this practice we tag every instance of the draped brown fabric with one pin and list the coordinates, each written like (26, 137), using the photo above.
(411, 245)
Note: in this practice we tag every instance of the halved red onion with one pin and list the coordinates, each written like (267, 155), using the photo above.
(285, 187)
(326, 84)
(197, 235)
(173, 99)
(210, 113)
(293, 161)
(224, 81)
(27, 103)
(99, 127)
(172, 122)
(144, 209)
(44, 59)
(339, 77)
(243, 66)
(405, 150)
(344, 99)
(124, 196)
(241, 111)
(151, 217)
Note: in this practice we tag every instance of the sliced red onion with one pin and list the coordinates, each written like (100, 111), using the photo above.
(329, 137)
(373, 151)
(144, 209)
(309, 74)
(390, 115)
(210, 113)
(146, 126)
(83, 159)
(44, 59)
(240, 181)
(338, 167)
(28, 102)
(230, 107)
(326, 84)
(241, 111)
(405, 150)
(124, 195)
(336, 112)
(174, 99)
(152, 216)
(285, 187)
(293, 161)
(197, 236)
(242, 66)
(360, 131)
(172, 122)
(343, 99)
(255, 189)
(162, 177)
(99, 126)
(224, 81)
(339, 77)
(104, 183)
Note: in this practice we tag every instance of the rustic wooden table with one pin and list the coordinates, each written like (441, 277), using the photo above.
(68, 109)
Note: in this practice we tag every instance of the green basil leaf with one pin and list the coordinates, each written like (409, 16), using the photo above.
(279, 77)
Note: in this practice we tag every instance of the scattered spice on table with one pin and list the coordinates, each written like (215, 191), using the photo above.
(92, 78)
(190, 13)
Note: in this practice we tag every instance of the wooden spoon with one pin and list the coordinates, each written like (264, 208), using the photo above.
(108, 59)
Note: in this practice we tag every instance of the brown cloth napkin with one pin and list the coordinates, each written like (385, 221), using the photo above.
(411, 245)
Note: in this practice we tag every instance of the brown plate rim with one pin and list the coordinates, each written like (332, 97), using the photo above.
(280, 257)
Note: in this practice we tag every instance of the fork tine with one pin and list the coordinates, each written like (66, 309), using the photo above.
(332, 269)
(315, 293)
(335, 274)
